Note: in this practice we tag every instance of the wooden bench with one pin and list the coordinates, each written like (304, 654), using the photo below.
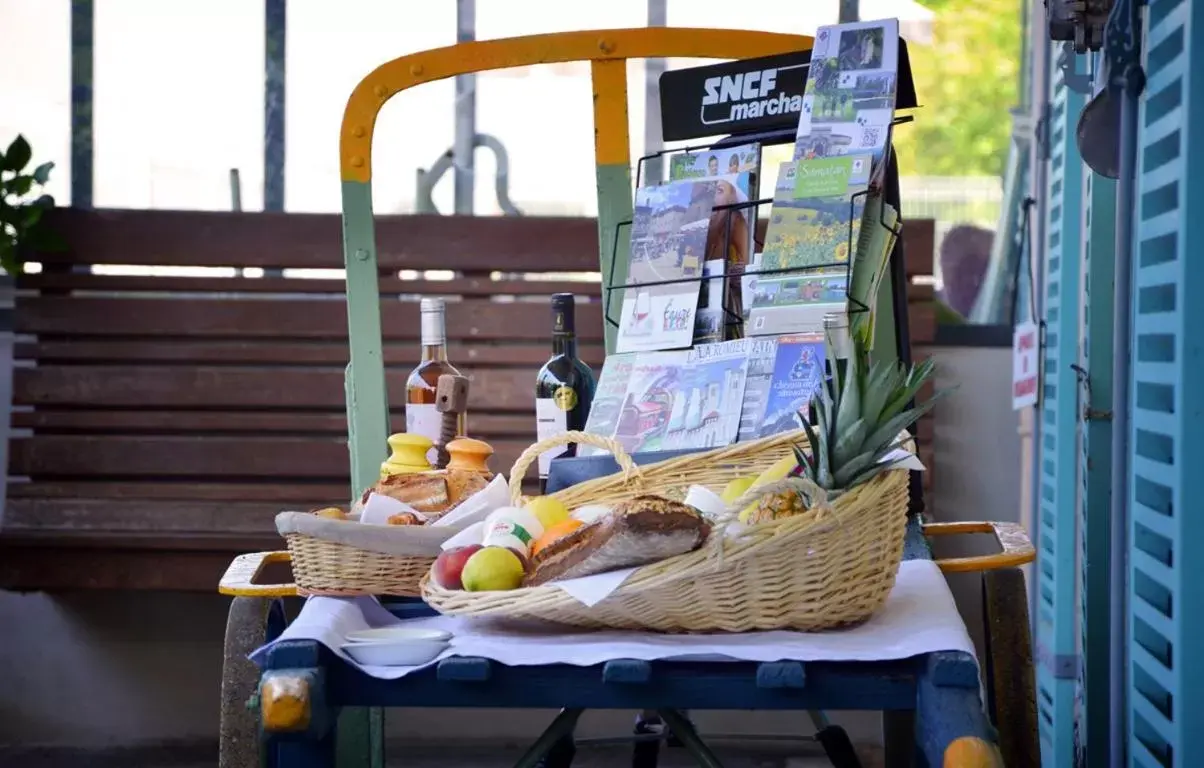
(160, 423)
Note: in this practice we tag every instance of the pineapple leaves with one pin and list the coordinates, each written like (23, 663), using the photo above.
(849, 407)
(884, 379)
(823, 474)
(866, 466)
(902, 421)
(849, 443)
(911, 385)
(808, 459)
(860, 412)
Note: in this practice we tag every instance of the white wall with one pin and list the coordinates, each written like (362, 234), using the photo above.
(977, 460)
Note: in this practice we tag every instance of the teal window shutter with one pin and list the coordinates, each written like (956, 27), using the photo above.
(1095, 465)
(1166, 439)
(1058, 486)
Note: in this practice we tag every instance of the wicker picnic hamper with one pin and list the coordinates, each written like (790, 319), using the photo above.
(827, 567)
(348, 558)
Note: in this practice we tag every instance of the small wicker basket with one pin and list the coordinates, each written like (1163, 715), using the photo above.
(831, 566)
(348, 558)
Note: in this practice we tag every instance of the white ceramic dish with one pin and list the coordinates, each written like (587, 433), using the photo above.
(398, 634)
(395, 653)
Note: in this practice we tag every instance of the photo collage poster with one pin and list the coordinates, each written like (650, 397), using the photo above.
(849, 102)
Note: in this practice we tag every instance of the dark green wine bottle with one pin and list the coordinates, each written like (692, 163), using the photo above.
(564, 387)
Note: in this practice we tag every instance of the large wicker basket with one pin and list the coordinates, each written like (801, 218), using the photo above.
(826, 568)
(348, 558)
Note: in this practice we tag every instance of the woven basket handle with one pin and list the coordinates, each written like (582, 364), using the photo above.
(529, 456)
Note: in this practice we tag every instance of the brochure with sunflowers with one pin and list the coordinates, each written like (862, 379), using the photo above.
(813, 225)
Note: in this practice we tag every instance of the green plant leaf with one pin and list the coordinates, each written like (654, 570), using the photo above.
(41, 174)
(44, 239)
(19, 186)
(850, 396)
(8, 256)
(18, 154)
(30, 215)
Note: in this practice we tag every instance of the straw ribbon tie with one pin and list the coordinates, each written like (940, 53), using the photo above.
(819, 498)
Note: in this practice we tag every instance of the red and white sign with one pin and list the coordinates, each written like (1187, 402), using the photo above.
(1026, 365)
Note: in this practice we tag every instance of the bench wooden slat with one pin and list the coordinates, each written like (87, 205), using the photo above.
(301, 319)
(388, 285)
(530, 355)
(96, 565)
(314, 240)
(197, 457)
(301, 424)
(80, 316)
(136, 518)
(462, 243)
(498, 389)
(298, 494)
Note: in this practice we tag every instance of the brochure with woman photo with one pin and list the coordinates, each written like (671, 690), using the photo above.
(730, 234)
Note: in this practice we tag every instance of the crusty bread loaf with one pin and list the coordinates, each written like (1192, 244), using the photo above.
(643, 530)
(424, 491)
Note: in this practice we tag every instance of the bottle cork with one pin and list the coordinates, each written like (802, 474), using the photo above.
(409, 451)
(469, 455)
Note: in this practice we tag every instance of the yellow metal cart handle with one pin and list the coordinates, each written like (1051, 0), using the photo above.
(1012, 538)
(239, 578)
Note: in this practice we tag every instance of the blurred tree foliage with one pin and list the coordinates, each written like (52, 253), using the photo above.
(966, 84)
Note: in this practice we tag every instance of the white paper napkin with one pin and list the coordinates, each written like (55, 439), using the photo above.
(480, 505)
(379, 508)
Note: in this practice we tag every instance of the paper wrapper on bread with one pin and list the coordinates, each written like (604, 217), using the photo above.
(644, 530)
(426, 492)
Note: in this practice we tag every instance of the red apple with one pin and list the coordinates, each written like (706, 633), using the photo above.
(449, 565)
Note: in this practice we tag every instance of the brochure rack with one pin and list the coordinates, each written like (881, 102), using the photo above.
(735, 315)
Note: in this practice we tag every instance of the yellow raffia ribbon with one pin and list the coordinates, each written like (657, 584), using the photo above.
(820, 503)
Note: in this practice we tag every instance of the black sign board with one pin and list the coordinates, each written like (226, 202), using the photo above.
(747, 96)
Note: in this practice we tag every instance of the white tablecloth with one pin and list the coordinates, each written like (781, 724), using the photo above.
(919, 617)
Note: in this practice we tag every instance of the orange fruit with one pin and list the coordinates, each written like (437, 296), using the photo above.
(553, 533)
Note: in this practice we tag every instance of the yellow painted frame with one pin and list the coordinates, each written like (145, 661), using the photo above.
(607, 50)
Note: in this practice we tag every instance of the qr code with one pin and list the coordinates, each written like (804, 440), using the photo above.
(869, 136)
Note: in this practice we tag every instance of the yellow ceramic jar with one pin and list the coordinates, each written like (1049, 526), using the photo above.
(408, 455)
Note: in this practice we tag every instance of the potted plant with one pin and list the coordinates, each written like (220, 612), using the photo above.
(24, 229)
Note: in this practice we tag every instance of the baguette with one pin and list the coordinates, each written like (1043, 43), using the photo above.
(643, 530)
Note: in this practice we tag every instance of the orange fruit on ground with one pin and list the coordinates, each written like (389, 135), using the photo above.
(555, 532)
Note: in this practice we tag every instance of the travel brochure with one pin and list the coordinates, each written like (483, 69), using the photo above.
(668, 241)
(814, 223)
(849, 101)
(679, 381)
(730, 235)
(708, 396)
